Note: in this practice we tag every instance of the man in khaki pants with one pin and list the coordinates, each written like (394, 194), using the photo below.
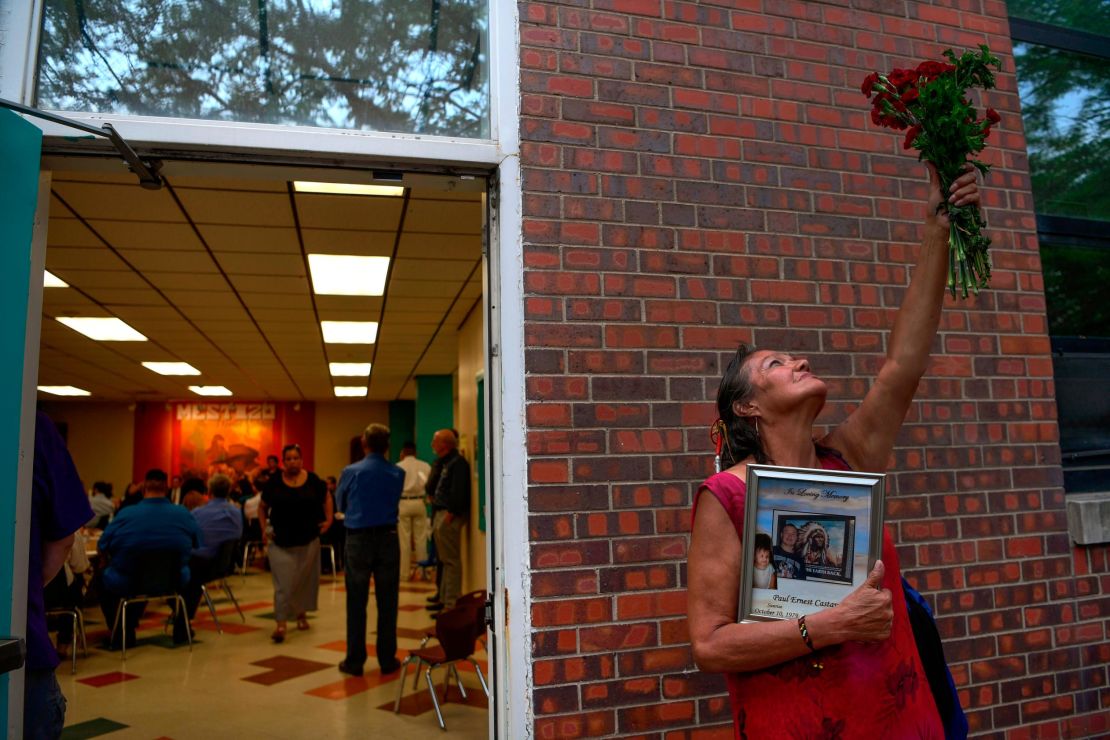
(412, 525)
(451, 506)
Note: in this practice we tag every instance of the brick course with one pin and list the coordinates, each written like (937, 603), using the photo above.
(696, 175)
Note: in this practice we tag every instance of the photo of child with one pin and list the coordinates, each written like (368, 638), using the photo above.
(763, 574)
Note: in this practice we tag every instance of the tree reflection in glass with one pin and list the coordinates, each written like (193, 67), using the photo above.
(413, 66)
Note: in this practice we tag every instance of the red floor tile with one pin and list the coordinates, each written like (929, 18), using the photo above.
(107, 679)
(284, 668)
(353, 685)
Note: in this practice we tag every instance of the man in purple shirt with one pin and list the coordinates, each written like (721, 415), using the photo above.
(59, 507)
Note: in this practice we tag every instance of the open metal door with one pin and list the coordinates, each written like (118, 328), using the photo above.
(24, 203)
(489, 398)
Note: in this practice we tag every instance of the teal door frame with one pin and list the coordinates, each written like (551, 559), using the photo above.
(24, 209)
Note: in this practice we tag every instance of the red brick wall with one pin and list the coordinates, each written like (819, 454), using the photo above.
(696, 175)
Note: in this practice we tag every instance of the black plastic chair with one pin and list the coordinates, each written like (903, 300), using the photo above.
(223, 566)
(158, 577)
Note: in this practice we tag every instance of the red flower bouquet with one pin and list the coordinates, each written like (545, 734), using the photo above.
(931, 105)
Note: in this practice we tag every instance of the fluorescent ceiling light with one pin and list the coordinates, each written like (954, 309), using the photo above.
(171, 368)
(210, 390)
(347, 274)
(64, 390)
(349, 332)
(346, 188)
(350, 390)
(349, 369)
(109, 329)
(50, 280)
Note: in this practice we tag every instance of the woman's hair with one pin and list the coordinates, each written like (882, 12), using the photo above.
(762, 542)
(193, 485)
(286, 448)
(741, 436)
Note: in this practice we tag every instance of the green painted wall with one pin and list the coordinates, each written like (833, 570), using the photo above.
(402, 426)
(20, 146)
(435, 410)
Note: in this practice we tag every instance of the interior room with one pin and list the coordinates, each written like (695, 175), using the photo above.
(227, 280)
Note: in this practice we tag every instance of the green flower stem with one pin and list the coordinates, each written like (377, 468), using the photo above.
(968, 262)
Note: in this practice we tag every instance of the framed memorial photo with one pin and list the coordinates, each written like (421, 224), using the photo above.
(810, 539)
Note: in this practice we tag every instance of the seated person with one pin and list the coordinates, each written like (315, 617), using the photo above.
(253, 531)
(104, 508)
(132, 495)
(220, 521)
(194, 493)
(153, 524)
(241, 488)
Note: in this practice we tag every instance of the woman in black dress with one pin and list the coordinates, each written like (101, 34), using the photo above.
(295, 508)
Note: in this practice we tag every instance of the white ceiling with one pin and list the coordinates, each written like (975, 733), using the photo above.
(212, 269)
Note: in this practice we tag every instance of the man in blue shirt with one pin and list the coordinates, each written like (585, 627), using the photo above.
(154, 524)
(369, 495)
(220, 521)
(59, 507)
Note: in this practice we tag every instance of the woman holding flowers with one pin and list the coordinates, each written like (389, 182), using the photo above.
(851, 670)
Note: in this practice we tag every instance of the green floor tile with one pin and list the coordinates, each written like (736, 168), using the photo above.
(91, 728)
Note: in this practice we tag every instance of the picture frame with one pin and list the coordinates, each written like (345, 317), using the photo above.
(835, 519)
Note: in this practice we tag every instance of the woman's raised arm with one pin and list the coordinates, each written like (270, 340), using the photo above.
(867, 436)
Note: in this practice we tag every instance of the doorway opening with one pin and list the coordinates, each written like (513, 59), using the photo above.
(217, 271)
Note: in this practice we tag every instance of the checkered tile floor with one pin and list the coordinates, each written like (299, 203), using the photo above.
(240, 684)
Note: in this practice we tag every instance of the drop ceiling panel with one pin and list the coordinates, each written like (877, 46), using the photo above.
(239, 208)
(194, 281)
(412, 303)
(262, 240)
(279, 315)
(270, 284)
(264, 340)
(218, 313)
(104, 279)
(152, 262)
(147, 234)
(349, 211)
(271, 264)
(444, 217)
(119, 201)
(82, 258)
(437, 246)
(258, 301)
(131, 297)
(438, 290)
(412, 319)
(369, 305)
(68, 232)
(349, 241)
(56, 302)
(220, 182)
(439, 270)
